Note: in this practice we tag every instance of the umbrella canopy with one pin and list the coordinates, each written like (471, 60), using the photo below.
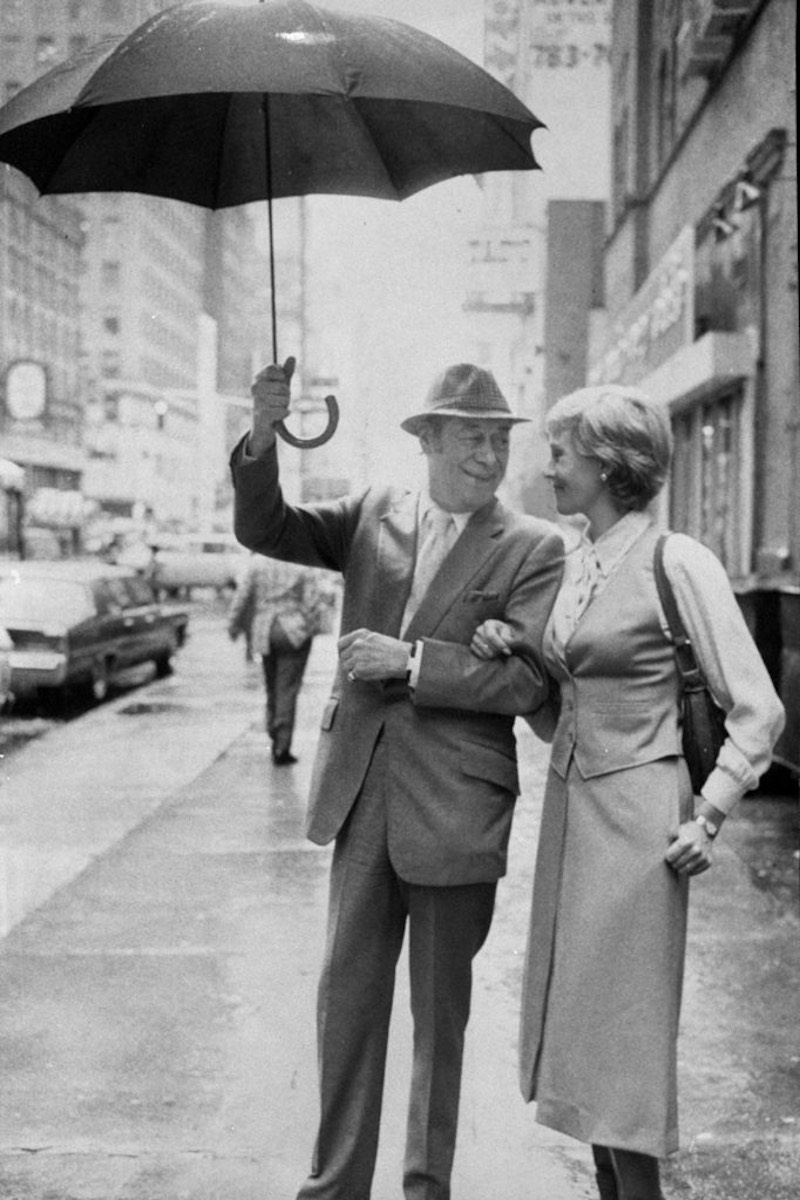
(226, 102)
(221, 104)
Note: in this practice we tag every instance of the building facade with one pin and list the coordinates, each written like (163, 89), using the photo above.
(143, 274)
(554, 55)
(41, 366)
(701, 288)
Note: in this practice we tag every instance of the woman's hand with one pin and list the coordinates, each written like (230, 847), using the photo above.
(492, 639)
(689, 851)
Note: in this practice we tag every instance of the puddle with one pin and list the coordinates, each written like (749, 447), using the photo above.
(146, 708)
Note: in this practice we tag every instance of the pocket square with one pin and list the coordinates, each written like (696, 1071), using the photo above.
(481, 597)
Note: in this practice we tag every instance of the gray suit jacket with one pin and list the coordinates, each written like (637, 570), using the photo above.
(451, 747)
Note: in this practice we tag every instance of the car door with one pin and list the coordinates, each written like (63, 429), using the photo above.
(150, 622)
(101, 638)
(129, 631)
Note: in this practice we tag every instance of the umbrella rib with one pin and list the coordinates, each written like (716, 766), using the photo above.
(221, 150)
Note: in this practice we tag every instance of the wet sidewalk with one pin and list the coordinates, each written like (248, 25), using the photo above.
(157, 1013)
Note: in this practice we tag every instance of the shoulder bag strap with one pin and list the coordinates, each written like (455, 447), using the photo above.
(684, 654)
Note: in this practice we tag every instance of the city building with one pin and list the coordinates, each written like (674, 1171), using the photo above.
(701, 288)
(144, 274)
(41, 368)
(555, 55)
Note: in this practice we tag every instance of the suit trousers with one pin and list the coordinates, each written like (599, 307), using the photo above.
(368, 909)
(284, 668)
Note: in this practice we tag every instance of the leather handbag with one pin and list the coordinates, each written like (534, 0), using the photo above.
(702, 719)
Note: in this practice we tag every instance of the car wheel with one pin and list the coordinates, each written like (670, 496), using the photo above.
(100, 681)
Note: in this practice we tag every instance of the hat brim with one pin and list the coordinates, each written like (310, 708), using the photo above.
(413, 423)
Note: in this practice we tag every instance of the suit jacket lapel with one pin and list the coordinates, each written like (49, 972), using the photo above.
(476, 543)
(397, 546)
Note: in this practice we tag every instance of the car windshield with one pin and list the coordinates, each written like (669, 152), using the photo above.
(54, 601)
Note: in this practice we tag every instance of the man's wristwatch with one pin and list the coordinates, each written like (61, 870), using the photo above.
(711, 829)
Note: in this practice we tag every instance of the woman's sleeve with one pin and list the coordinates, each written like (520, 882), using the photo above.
(732, 666)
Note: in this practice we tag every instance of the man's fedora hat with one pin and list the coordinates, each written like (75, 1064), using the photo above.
(463, 391)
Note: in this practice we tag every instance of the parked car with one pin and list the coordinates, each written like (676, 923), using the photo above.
(177, 563)
(74, 625)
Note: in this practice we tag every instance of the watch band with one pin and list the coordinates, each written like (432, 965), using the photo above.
(410, 661)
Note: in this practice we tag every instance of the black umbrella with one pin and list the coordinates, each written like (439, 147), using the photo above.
(225, 102)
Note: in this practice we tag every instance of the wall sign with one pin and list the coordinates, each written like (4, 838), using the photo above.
(657, 322)
(26, 390)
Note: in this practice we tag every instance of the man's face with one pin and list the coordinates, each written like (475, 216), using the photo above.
(466, 461)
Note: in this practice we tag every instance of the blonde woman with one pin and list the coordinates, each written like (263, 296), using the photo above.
(621, 830)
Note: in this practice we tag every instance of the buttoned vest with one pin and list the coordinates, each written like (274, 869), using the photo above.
(619, 701)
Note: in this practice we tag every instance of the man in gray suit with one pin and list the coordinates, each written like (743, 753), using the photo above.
(415, 776)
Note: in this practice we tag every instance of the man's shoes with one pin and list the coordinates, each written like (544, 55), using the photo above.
(284, 758)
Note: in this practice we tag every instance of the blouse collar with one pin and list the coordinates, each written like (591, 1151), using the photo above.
(612, 546)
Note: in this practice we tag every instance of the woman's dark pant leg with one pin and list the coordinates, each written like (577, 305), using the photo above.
(638, 1176)
(604, 1173)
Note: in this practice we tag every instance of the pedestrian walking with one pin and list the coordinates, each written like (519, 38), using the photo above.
(242, 611)
(279, 606)
(622, 830)
(416, 774)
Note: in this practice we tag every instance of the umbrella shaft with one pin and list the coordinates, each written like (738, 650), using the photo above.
(268, 171)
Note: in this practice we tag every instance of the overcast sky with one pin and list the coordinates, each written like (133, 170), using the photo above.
(386, 281)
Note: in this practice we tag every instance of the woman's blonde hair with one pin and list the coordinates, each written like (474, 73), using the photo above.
(626, 431)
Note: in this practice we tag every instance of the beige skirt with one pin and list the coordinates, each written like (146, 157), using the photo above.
(604, 967)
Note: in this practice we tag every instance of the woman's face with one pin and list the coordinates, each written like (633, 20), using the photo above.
(575, 477)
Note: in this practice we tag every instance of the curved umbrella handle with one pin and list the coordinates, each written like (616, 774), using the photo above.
(322, 438)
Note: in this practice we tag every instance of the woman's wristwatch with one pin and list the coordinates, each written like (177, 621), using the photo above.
(710, 827)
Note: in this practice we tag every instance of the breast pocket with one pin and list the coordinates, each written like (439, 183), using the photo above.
(478, 606)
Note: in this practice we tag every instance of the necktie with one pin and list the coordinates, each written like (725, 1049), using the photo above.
(436, 537)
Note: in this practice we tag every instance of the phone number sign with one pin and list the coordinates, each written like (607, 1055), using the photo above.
(566, 34)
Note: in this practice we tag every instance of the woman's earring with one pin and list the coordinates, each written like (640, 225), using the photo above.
(603, 477)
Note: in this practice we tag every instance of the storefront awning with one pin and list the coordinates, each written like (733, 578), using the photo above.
(56, 509)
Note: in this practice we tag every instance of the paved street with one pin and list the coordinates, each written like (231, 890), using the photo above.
(163, 920)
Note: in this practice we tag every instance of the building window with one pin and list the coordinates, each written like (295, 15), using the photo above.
(665, 109)
(705, 493)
